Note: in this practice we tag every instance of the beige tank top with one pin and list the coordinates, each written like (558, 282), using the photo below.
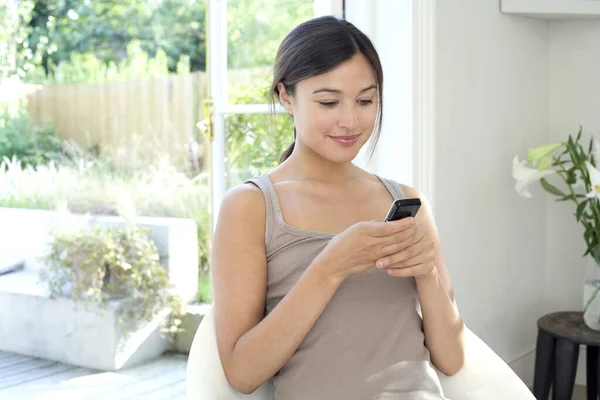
(367, 344)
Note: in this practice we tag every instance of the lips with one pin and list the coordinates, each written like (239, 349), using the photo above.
(346, 141)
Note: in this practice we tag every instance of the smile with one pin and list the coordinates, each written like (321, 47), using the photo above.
(346, 141)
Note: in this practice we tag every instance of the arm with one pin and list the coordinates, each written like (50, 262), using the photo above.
(253, 347)
(442, 324)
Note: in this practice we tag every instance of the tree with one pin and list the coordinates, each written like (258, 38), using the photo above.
(103, 28)
(256, 28)
(177, 27)
(16, 57)
(106, 28)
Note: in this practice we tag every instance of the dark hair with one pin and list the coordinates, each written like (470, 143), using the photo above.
(317, 46)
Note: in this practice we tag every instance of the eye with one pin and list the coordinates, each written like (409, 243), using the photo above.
(328, 104)
(365, 102)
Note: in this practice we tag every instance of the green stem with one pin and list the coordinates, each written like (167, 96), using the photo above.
(592, 203)
(591, 300)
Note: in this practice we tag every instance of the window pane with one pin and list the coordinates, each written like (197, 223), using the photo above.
(254, 31)
(254, 144)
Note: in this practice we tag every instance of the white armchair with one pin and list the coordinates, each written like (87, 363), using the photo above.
(485, 376)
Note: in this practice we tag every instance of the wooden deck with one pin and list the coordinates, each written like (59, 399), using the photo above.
(27, 378)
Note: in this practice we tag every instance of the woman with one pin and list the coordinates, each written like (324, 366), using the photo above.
(311, 287)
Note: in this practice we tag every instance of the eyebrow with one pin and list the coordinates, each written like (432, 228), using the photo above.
(328, 90)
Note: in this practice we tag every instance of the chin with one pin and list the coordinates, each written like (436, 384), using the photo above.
(340, 156)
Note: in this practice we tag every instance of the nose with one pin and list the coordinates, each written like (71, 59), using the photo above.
(348, 117)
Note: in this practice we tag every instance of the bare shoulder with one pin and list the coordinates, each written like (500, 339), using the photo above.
(242, 218)
(410, 191)
(244, 201)
(244, 194)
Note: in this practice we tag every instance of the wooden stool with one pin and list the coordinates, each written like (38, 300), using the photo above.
(559, 336)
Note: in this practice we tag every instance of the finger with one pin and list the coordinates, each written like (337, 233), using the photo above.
(417, 270)
(382, 229)
(419, 246)
(421, 258)
(409, 237)
(399, 241)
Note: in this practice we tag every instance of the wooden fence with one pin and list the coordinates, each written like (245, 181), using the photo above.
(132, 121)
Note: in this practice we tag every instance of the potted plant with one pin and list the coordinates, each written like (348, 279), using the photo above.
(116, 264)
(577, 168)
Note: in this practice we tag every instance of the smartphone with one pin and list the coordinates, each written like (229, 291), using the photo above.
(403, 208)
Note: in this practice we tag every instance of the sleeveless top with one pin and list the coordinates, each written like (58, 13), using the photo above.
(368, 343)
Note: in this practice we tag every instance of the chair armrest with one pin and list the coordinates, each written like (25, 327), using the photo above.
(485, 376)
(205, 377)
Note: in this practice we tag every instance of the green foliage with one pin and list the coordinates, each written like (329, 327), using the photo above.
(16, 56)
(204, 288)
(87, 68)
(255, 28)
(255, 141)
(105, 29)
(178, 28)
(104, 264)
(31, 144)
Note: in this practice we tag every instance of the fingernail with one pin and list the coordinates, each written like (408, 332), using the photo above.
(380, 264)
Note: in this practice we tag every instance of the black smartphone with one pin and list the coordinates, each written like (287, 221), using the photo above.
(403, 208)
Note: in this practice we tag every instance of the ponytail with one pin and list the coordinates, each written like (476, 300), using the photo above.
(288, 152)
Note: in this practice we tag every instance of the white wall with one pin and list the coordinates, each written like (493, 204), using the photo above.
(492, 103)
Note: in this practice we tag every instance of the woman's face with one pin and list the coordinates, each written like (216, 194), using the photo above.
(335, 113)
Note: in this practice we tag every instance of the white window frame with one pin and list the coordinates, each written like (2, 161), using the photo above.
(424, 95)
(217, 68)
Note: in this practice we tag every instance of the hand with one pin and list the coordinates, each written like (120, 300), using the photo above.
(358, 247)
(416, 257)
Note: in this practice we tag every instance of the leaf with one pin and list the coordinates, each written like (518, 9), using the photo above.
(567, 197)
(579, 133)
(573, 152)
(558, 161)
(551, 188)
(580, 209)
(571, 178)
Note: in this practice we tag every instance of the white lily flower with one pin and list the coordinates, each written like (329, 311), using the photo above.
(525, 176)
(594, 180)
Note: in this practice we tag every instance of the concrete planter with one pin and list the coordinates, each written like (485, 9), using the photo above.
(32, 323)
